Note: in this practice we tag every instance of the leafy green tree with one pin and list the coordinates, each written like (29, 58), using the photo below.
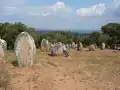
(113, 30)
(10, 31)
(95, 38)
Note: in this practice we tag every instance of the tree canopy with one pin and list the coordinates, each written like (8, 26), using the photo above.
(10, 31)
(110, 34)
(113, 30)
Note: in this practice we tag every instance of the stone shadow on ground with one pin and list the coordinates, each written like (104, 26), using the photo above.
(51, 55)
(15, 63)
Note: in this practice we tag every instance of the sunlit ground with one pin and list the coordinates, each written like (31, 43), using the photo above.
(83, 70)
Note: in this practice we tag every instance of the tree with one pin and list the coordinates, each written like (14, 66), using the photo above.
(10, 31)
(95, 38)
(113, 30)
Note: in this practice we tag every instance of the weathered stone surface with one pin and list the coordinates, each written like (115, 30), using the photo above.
(57, 49)
(79, 46)
(73, 45)
(51, 45)
(25, 49)
(92, 47)
(103, 46)
(45, 45)
(1, 52)
(3, 43)
(1, 58)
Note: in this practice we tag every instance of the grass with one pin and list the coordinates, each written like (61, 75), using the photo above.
(10, 57)
(78, 57)
(98, 65)
(4, 79)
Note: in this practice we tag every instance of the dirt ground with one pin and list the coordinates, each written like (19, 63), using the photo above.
(83, 70)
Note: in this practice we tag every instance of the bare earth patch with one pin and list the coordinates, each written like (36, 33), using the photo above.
(97, 70)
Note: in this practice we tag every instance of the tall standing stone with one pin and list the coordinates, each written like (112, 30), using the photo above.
(59, 48)
(103, 46)
(3, 43)
(73, 45)
(79, 46)
(45, 45)
(51, 45)
(25, 49)
(2, 58)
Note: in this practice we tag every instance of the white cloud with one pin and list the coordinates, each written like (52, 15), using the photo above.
(37, 10)
(61, 5)
(60, 14)
(57, 9)
(38, 16)
(95, 10)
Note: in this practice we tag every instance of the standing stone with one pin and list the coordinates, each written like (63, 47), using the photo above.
(95, 45)
(79, 46)
(57, 49)
(1, 59)
(3, 43)
(67, 46)
(25, 49)
(51, 46)
(103, 46)
(45, 45)
(1, 52)
(70, 45)
(92, 47)
(73, 45)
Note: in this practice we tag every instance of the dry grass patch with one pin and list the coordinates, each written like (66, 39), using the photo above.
(97, 70)
(4, 80)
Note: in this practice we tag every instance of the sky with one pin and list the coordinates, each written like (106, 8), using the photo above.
(61, 14)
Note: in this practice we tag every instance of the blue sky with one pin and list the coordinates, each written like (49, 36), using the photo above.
(61, 14)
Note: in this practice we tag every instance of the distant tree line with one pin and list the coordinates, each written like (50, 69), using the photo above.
(110, 34)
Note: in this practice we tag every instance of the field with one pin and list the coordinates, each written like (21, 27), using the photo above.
(83, 70)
